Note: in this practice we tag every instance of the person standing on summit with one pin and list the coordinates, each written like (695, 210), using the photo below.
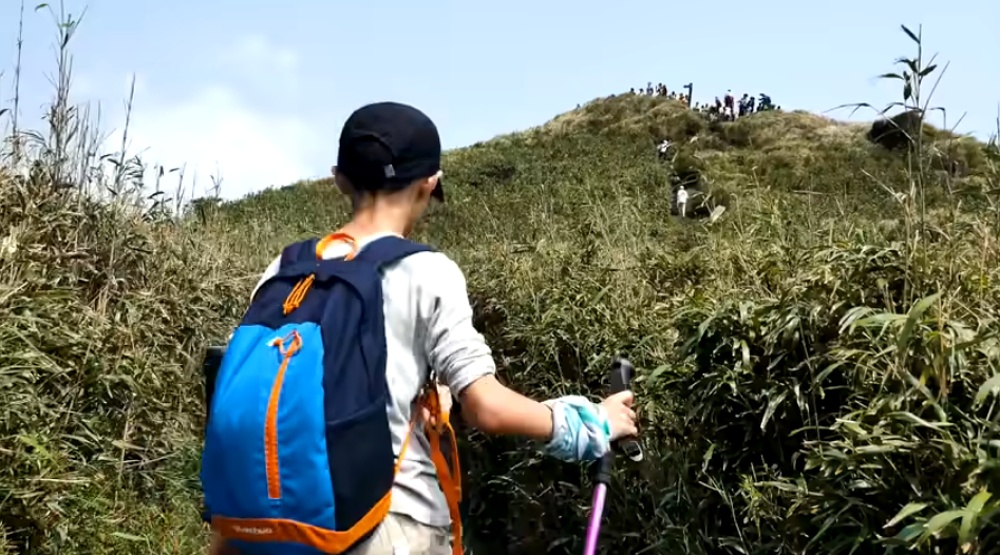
(744, 105)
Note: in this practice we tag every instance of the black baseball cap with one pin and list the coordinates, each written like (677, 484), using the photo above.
(386, 146)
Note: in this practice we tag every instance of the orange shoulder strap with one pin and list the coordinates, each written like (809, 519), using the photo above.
(450, 476)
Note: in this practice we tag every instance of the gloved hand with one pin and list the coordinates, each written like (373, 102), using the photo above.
(583, 431)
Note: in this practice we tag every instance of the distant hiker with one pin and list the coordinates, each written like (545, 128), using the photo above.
(649, 88)
(728, 102)
(765, 103)
(338, 455)
(718, 104)
(632, 90)
(682, 201)
(663, 149)
(750, 104)
(744, 104)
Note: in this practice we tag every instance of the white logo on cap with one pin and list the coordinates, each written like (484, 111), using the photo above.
(390, 171)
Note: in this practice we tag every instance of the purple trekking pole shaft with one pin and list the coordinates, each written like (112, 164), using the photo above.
(621, 375)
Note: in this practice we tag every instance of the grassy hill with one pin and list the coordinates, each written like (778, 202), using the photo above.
(815, 361)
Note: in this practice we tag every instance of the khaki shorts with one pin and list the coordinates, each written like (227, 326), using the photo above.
(401, 535)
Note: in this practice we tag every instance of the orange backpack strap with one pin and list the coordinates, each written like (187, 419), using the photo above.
(450, 477)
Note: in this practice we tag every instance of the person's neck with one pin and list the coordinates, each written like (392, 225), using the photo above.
(368, 221)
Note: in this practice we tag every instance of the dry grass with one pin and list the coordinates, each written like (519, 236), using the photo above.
(813, 362)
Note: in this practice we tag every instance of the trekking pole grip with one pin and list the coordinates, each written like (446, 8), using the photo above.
(621, 377)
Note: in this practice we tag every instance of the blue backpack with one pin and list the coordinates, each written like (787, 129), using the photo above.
(298, 455)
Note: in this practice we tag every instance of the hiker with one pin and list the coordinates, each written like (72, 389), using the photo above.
(744, 104)
(750, 104)
(649, 88)
(728, 102)
(682, 200)
(663, 149)
(339, 455)
(765, 103)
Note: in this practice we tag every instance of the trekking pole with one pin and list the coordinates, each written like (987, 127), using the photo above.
(621, 375)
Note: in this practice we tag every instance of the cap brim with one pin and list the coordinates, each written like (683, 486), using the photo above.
(438, 191)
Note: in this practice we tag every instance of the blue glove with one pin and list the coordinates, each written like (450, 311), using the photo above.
(580, 429)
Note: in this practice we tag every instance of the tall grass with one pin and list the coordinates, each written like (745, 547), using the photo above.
(818, 365)
(105, 298)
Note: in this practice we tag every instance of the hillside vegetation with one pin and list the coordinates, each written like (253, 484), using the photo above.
(818, 362)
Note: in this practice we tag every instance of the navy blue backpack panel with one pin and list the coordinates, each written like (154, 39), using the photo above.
(298, 453)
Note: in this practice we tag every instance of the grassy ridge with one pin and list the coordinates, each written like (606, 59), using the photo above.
(814, 361)
(571, 255)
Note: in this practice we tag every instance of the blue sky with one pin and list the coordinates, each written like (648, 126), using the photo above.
(257, 90)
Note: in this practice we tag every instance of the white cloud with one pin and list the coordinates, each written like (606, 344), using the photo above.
(259, 57)
(216, 133)
(84, 86)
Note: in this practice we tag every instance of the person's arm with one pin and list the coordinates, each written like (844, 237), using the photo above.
(464, 362)
(573, 427)
(490, 406)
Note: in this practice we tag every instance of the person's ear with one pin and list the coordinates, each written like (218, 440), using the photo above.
(342, 184)
(427, 185)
